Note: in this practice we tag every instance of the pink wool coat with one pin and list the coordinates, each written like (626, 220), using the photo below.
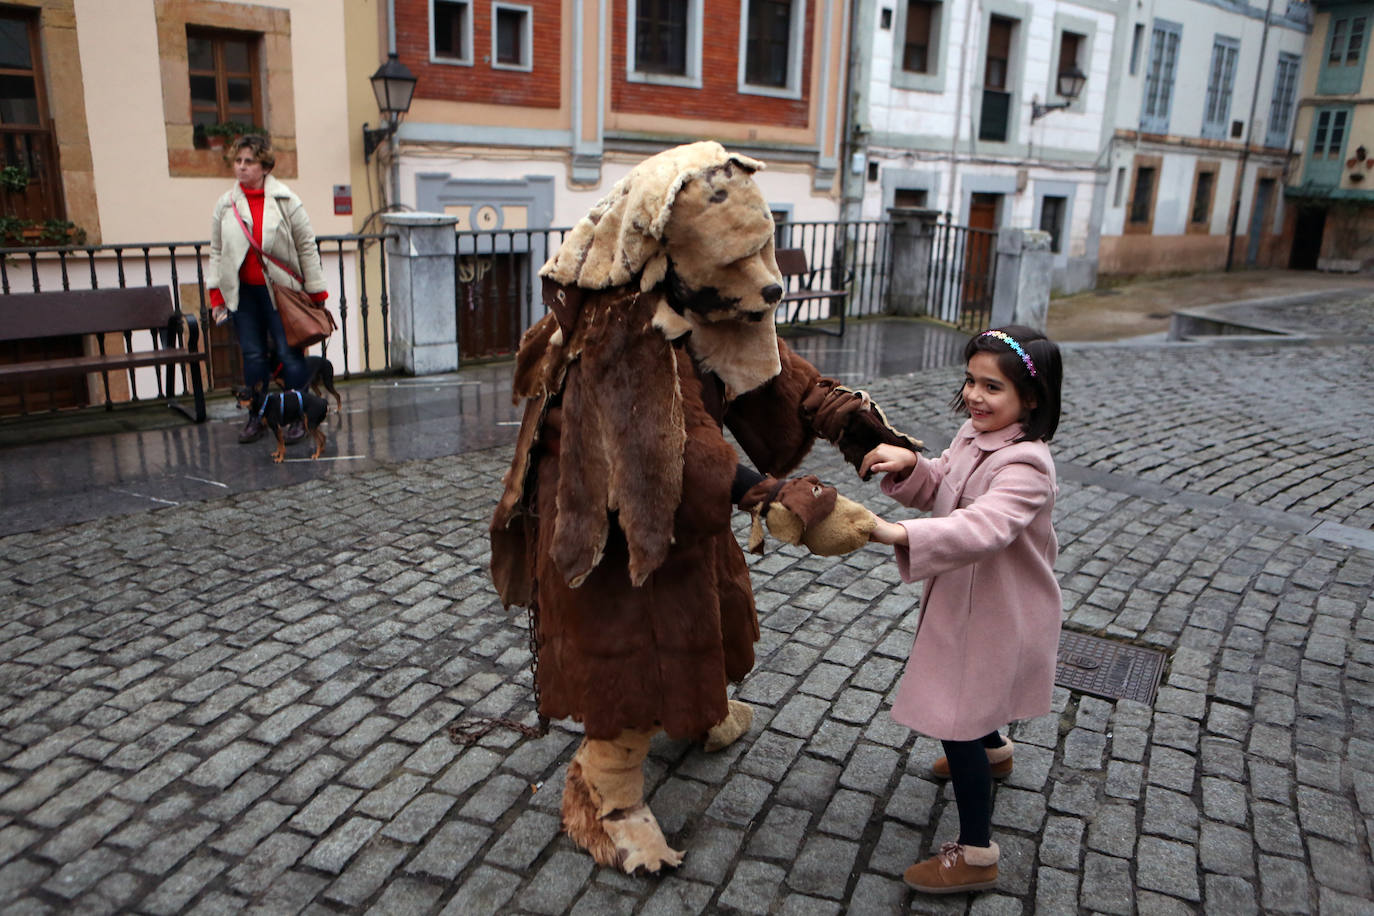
(988, 636)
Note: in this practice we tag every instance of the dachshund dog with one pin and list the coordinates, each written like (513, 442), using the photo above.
(281, 408)
(321, 377)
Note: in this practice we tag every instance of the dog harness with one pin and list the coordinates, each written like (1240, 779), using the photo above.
(300, 401)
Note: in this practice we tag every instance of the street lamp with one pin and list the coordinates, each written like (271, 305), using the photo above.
(1070, 84)
(393, 84)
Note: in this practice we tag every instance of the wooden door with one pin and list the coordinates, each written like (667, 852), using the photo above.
(980, 250)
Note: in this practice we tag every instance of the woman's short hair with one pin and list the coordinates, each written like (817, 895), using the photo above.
(1042, 389)
(260, 147)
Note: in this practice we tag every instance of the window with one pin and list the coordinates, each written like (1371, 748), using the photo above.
(1159, 78)
(1120, 186)
(1326, 152)
(1330, 134)
(913, 198)
(1342, 67)
(1221, 79)
(1204, 189)
(223, 68)
(772, 42)
(996, 112)
(1281, 105)
(660, 37)
(27, 142)
(918, 55)
(1069, 45)
(1137, 39)
(1141, 213)
(510, 37)
(1052, 220)
(451, 31)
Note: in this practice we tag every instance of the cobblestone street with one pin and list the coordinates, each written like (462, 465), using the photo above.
(242, 704)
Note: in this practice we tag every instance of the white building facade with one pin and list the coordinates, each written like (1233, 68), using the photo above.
(1204, 118)
(945, 94)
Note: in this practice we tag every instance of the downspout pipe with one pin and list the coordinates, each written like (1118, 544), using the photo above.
(1245, 150)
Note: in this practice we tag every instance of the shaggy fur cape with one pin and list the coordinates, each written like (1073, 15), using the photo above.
(644, 612)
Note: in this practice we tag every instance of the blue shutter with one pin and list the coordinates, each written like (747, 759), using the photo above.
(1159, 77)
(1281, 105)
(1221, 79)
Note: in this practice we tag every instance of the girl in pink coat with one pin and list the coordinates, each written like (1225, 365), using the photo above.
(988, 635)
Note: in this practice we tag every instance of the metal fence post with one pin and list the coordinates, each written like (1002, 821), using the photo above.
(1025, 268)
(424, 323)
(913, 242)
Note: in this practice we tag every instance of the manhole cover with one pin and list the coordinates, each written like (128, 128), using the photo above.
(1108, 669)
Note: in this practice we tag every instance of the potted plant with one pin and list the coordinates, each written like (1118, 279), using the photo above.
(14, 178)
(62, 232)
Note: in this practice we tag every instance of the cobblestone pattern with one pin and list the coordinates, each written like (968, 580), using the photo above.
(240, 705)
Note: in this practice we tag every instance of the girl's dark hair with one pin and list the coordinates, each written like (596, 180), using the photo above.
(1041, 389)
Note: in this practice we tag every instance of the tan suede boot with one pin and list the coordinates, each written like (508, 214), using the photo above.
(736, 722)
(603, 805)
(955, 869)
(998, 757)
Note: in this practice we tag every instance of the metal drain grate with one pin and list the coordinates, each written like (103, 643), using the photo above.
(1108, 669)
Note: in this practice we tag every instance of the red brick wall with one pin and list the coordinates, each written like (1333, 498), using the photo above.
(537, 88)
(718, 98)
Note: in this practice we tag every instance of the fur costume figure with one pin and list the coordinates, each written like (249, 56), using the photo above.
(614, 527)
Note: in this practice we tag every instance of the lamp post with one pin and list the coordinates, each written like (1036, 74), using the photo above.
(394, 85)
(1069, 83)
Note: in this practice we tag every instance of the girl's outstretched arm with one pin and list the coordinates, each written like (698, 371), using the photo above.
(888, 533)
(887, 459)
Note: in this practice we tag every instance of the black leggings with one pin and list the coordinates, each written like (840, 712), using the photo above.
(971, 775)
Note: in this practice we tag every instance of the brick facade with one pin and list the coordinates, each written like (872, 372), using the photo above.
(719, 98)
(481, 82)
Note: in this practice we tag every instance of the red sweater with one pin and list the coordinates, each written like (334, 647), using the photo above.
(250, 271)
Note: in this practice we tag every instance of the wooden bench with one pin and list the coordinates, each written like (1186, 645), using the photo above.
(799, 277)
(149, 309)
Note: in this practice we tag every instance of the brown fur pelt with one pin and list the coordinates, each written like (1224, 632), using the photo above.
(580, 820)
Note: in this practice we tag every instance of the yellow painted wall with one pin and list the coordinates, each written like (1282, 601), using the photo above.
(138, 199)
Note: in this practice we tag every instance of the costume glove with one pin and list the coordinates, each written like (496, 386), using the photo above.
(803, 511)
(851, 420)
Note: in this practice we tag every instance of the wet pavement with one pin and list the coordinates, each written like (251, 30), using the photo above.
(138, 459)
(238, 704)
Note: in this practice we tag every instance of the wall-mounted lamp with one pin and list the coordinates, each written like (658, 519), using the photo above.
(1070, 85)
(393, 84)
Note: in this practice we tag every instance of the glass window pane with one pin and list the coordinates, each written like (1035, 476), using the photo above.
(238, 56)
(14, 44)
(1337, 41)
(450, 30)
(240, 90)
(203, 89)
(204, 118)
(661, 36)
(18, 100)
(510, 26)
(200, 53)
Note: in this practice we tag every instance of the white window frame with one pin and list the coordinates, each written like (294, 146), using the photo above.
(692, 79)
(526, 36)
(434, 58)
(1086, 30)
(796, 51)
(933, 81)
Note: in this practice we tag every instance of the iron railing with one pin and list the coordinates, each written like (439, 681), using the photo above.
(355, 272)
(961, 275)
(496, 284)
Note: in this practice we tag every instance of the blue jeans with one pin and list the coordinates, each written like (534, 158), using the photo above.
(259, 331)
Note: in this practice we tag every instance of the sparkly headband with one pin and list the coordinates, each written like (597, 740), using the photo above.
(1011, 342)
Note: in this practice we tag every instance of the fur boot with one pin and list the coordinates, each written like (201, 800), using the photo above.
(603, 805)
(736, 722)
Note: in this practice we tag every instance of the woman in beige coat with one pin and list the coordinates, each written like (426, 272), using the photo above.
(261, 205)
